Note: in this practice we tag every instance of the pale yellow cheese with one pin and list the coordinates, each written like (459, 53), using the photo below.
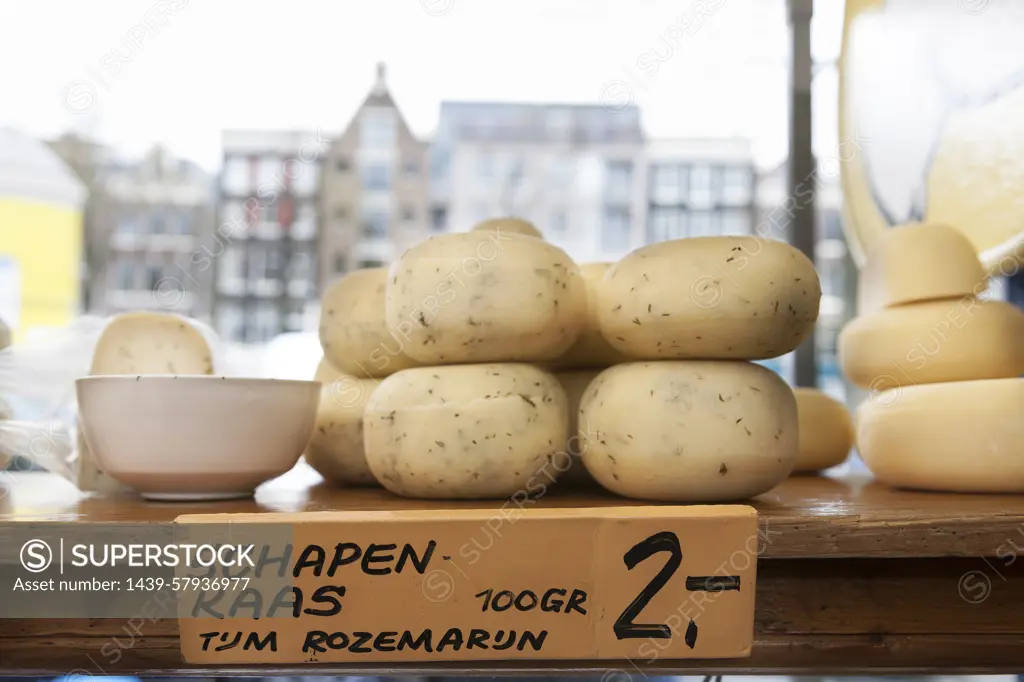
(467, 431)
(730, 298)
(689, 431)
(963, 436)
(326, 372)
(575, 386)
(485, 296)
(918, 262)
(151, 343)
(591, 348)
(336, 448)
(140, 343)
(826, 430)
(932, 342)
(510, 225)
(353, 333)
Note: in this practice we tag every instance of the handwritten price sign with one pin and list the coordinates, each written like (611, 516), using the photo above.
(631, 582)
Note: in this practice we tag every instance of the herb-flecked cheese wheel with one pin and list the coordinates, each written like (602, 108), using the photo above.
(575, 385)
(485, 296)
(466, 431)
(353, 333)
(826, 430)
(151, 343)
(962, 436)
(591, 348)
(959, 339)
(689, 431)
(510, 225)
(730, 298)
(336, 449)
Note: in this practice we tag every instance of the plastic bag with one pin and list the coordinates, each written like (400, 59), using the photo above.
(38, 380)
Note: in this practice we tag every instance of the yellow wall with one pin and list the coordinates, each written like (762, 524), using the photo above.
(46, 241)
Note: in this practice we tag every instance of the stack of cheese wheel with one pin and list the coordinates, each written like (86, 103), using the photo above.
(439, 359)
(141, 343)
(696, 420)
(942, 366)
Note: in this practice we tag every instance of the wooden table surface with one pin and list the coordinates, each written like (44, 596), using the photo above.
(854, 577)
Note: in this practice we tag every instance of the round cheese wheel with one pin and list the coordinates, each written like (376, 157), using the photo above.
(466, 431)
(336, 448)
(965, 436)
(591, 348)
(689, 431)
(918, 262)
(826, 430)
(709, 298)
(510, 225)
(485, 297)
(353, 333)
(151, 343)
(575, 386)
(933, 342)
(326, 372)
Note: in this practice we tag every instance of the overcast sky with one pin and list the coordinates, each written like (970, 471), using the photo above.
(696, 67)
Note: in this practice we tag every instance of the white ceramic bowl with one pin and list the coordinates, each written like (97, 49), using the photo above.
(196, 437)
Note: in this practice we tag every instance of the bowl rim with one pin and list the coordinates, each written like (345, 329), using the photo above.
(202, 378)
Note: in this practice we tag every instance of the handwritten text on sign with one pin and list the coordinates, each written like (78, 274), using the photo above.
(668, 582)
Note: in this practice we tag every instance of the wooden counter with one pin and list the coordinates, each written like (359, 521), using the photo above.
(853, 578)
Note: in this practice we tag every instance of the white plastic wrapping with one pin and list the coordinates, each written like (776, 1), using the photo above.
(37, 380)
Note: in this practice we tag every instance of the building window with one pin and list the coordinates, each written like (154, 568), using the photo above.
(231, 267)
(266, 322)
(230, 324)
(302, 175)
(124, 275)
(375, 224)
(700, 187)
(154, 273)
(438, 220)
(561, 172)
(342, 165)
(339, 263)
(619, 181)
(127, 222)
(370, 263)
(668, 184)
(615, 230)
(376, 177)
(735, 222)
(269, 175)
(235, 175)
(666, 223)
(702, 224)
(408, 213)
(157, 221)
(737, 186)
(377, 130)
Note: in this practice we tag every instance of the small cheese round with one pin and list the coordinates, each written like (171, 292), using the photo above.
(466, 431)
(151, 343)
(353, 333)
(485, 297)
(826, 431)
(511, 225)
(575, 386)
(326, 372)
(965, 436)
(733, 298)
(591, 348)
(689, 431)
(336, 448)
(918, 262)
(933, 342)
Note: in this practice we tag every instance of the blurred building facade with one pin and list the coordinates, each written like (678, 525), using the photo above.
(145, 224)
(41, 206)
(700, 187)
(575, 171)
(373, 192)
(264, 248)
